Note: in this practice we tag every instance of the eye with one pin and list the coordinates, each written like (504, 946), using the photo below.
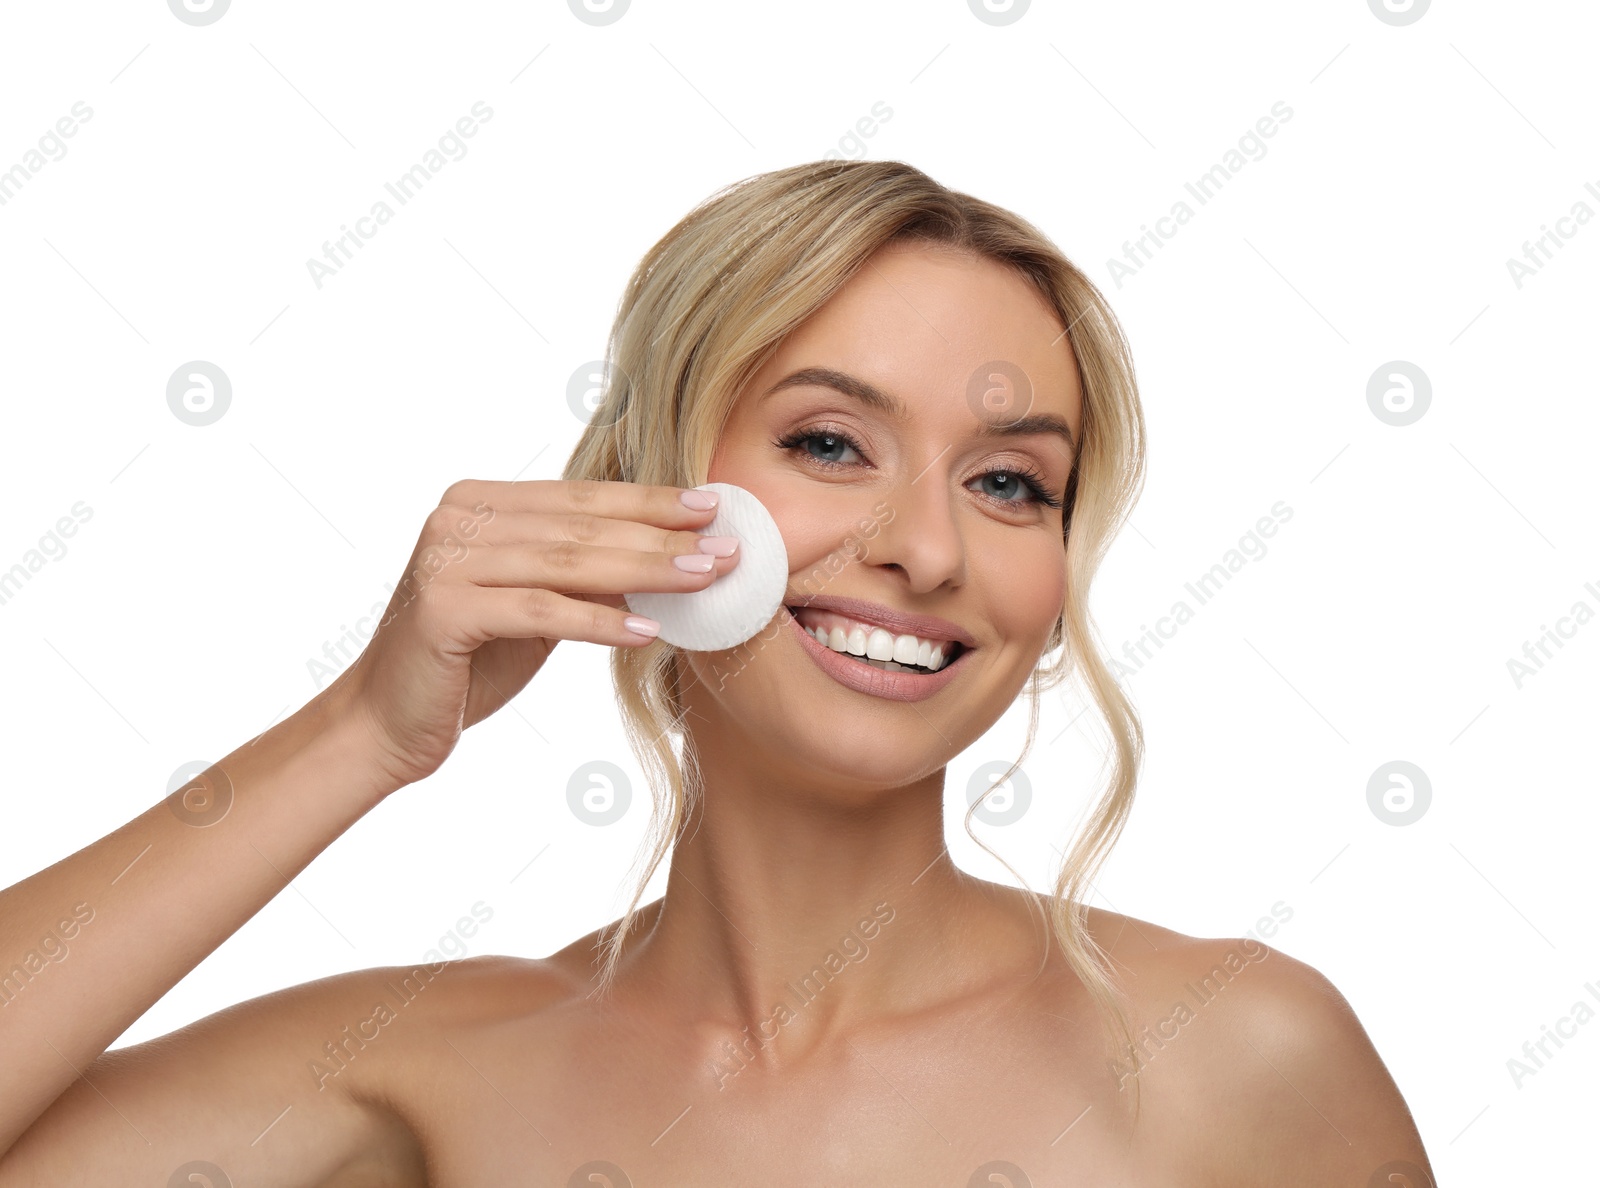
(1011, 482)
(1019, 480)
(833, 443)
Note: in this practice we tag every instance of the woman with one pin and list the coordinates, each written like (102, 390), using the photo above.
(939, 411)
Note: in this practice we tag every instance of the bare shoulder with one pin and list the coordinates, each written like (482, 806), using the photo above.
(470, 991)
(393, 1016)
(429, 1006)
(1288, 1084)
(304, 1084)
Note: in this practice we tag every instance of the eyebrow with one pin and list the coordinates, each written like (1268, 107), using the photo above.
(880, 401)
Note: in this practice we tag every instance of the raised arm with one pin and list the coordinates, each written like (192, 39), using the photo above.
(93, 941)
(501, 573)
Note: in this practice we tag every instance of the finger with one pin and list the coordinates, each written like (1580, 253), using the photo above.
(580, 528)
(568, 567)
(610, 499)
(477, 614)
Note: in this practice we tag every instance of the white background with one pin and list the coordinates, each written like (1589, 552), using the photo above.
(1377, 626)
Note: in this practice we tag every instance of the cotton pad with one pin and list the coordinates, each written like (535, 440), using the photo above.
(742, 601)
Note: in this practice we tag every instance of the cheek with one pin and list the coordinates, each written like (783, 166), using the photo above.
(830, 538)
(809, 530)
(822, 526)
(812, 527)
(1034, 590)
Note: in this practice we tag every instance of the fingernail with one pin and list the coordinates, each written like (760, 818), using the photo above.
(718, 546)
(698, 500)
(640, 625)
(694, 562)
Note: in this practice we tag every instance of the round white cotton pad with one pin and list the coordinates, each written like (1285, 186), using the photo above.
(742, 601)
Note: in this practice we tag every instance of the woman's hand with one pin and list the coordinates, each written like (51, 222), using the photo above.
(503, 571)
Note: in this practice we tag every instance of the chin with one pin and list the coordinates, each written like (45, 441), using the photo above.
(845, 749)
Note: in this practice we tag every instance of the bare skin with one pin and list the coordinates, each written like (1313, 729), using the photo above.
(941, 1036)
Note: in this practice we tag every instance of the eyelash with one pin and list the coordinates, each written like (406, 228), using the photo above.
(1031, 479)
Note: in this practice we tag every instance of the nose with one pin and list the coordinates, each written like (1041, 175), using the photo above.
(922, 536)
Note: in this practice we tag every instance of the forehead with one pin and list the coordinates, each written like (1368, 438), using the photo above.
(939, 329)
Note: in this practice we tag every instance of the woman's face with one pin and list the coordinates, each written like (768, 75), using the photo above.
(923, 513)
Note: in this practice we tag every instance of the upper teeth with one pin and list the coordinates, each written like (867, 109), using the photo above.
(875, 643)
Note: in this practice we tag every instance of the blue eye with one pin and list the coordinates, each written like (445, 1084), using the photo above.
(1013, 481)
(836, 441)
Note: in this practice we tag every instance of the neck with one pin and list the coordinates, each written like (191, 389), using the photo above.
(793, 916)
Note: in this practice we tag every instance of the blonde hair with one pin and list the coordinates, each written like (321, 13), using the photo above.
(709, 304)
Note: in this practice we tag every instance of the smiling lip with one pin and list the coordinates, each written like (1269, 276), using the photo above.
(873, 681)
(893, 621)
